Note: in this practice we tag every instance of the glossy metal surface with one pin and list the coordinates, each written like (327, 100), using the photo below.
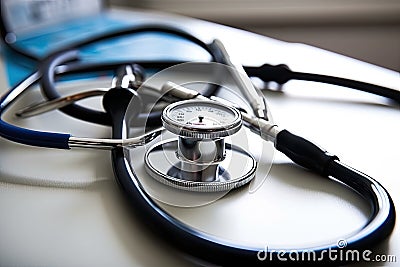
(252, 96)
(268, 131)
(162, 164)
(126, 77)
(223, 126)
(50, 105)
(201, 152)
(98, 143)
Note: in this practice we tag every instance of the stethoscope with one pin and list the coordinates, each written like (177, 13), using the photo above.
(200, 120)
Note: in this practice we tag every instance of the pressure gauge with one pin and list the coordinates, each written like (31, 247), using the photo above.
(201, 119)
(198, 159)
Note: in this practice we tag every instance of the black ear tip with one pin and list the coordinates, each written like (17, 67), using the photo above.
(116, 102)
(118, 99)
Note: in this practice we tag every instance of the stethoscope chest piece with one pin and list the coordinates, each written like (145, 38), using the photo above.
(199, 158)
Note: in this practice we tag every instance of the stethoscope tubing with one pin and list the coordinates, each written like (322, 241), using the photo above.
(221, 252)
(212, 249)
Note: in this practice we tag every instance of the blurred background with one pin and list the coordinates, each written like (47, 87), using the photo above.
(368, 30)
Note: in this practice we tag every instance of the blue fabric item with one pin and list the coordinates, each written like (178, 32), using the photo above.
(44, 41)
(34, 138)
(144, 46)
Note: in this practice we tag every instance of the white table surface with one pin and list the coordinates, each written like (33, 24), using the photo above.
(63, 208)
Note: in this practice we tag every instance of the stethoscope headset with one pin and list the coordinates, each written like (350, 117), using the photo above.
(182, 236)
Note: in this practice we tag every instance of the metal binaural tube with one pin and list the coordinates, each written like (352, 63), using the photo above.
(253, 96)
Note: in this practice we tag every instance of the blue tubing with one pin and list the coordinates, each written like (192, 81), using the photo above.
(34, 138)
(26, 136)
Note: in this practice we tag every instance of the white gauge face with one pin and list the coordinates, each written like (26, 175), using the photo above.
(193, 117)
(202, 115)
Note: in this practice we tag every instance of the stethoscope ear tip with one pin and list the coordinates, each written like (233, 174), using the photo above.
(117, 100)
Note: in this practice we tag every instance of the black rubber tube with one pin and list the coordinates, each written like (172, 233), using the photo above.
(357, 85)
(312, 157)
(47, 82)
(48, 68)
(49, 89)
(282, 74)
